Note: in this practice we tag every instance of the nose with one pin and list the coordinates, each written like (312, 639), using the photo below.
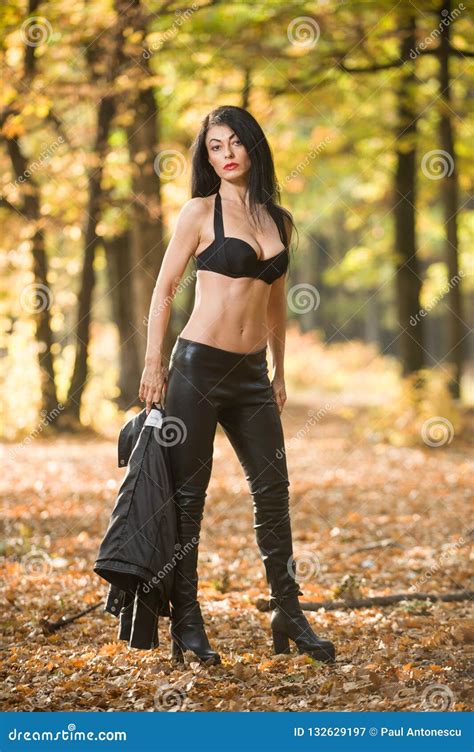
(228, 152)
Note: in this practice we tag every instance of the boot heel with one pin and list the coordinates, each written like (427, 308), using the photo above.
(281, 642)
(176, 653)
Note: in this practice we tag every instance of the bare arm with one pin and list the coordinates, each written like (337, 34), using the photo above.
(276, 318)
(182, 245)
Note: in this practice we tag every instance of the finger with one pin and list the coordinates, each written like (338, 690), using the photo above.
(148, 401)
(156, 394)
(143, 391)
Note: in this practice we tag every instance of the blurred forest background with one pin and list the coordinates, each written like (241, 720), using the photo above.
(366, 108)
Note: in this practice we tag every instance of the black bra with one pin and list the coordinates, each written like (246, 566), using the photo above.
(234, 257)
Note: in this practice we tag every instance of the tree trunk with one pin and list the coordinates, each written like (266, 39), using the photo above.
(82, 330)
(408, 282)
(39, 302)
(246, 89)
(449, 190)
(120, 280)
(146, 216)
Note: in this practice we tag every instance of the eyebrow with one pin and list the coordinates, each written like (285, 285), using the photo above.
(219, 139)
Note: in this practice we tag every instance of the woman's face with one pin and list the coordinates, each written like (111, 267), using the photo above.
(226, 153)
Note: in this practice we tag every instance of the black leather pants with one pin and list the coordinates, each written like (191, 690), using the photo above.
(207, 385)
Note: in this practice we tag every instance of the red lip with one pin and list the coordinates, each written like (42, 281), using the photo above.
(230, 165)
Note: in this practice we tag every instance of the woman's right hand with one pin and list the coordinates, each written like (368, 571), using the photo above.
(153, 383)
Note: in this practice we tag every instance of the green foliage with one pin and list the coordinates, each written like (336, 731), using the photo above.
(332, 134)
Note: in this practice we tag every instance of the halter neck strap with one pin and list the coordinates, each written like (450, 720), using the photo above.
(218, 221)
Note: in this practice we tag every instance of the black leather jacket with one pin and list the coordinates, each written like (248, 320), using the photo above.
(137, 553)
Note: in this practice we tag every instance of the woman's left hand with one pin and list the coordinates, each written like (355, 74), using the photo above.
(279, 392)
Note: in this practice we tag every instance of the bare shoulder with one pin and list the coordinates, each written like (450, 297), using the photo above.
(194, 216)
(195, 213)
(195, 208)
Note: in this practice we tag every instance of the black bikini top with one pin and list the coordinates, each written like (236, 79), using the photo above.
(234, 257)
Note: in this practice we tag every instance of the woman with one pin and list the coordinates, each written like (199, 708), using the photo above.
(218, 371)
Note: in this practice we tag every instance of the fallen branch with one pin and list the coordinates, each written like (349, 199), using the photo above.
(49, 627)
(376, 600)
(385, 543)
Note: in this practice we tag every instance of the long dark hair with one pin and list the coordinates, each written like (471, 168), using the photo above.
(263, 186)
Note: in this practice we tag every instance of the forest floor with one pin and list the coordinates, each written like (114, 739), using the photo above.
(347, 493)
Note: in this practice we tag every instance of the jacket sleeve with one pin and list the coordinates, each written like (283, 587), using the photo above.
(128, 437)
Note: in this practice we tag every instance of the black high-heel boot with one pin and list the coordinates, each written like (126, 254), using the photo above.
(188, 633)
(187, 625)
(289, 622)
(274, 538)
